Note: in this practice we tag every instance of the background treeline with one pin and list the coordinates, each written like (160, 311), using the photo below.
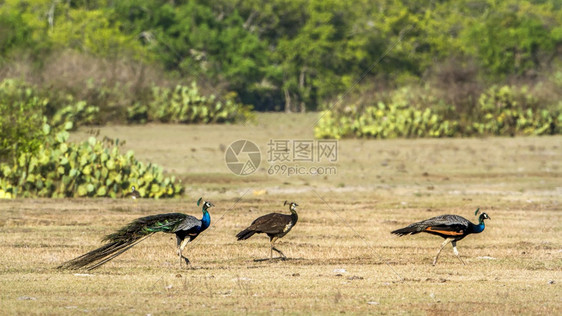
(281, 54)
(383, 68)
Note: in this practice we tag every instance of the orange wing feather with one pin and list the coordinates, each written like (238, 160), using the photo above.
(445, 232)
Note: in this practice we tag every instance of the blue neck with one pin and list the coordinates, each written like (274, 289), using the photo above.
(206, 220)
(478, 228)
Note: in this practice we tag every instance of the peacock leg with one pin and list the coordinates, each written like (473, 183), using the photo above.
(271, 241)
(281, 253)
(181, 246)
(187, 262)
(447, 240)
(456, 252)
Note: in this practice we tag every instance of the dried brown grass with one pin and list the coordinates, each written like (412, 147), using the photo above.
(342, 258)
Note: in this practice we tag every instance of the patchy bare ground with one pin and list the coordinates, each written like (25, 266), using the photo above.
(342, 258)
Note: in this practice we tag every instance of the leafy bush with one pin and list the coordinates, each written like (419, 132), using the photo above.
(137, 113)
(384, 121)
(89, 169)
(21, 119)
(185, 105)
(507, 110)
(78, 114)
(37, 161)
(510, 110)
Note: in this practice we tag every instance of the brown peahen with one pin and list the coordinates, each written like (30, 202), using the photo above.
(274, 225)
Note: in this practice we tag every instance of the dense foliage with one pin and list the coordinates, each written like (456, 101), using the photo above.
(502, 110)
(21, 118)
(292, 54)
(384, 121)
(89, 169)
(37, 160)
(186, 105)
(510, 111)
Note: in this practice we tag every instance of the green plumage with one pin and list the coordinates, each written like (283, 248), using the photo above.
(132, 234)
(144, 226)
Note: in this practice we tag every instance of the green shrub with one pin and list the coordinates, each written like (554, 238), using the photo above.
(78, 114)
(509, 110)
(185, 105)
(90, 169)
(506, 110)
(21, 119)
(384, 121)
(37, 161)
(137, 113)
(23, 111)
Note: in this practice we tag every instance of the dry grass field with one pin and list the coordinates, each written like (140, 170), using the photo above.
(342, 257)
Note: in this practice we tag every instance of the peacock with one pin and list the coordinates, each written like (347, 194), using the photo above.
(275, 225)
(186, 228)
(451, 227)
(134, 194)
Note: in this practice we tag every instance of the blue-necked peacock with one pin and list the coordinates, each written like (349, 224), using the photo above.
(186, 228)
(451, 227)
